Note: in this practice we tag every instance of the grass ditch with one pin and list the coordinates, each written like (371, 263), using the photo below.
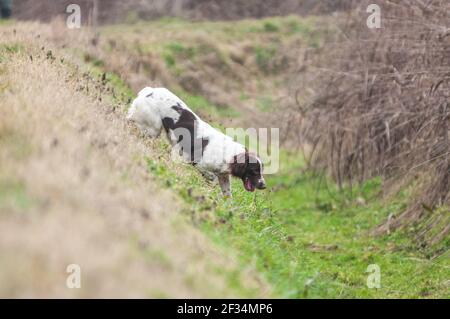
(306, 236)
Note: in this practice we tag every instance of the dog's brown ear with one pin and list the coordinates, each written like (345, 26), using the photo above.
(239, 165)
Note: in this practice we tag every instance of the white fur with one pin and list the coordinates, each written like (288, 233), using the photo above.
(154, 104)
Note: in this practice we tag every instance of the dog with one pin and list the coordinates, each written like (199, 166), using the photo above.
(208, 149)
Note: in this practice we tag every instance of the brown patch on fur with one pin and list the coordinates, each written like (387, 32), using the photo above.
(247, 167)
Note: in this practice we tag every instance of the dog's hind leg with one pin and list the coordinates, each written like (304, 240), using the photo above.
(225, 185)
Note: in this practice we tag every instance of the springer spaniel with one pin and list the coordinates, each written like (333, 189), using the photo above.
(211, 151)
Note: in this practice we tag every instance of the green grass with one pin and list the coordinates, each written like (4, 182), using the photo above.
(169, 59)
(177, 53)
(9, 49)
(283, 26)
(5, 22)
(271, 27)
(313, 241)
(265, 103)
(174, 51)
(309, 239)
(180, 49)
(264, 57)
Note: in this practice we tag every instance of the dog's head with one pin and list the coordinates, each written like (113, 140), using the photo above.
(249, 168)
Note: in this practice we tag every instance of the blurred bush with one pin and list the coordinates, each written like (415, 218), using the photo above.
(380, 106)
(5, 8)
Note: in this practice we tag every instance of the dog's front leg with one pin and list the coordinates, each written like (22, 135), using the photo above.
(225, 185)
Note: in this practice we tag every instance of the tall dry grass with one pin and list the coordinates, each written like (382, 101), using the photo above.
(380, 106)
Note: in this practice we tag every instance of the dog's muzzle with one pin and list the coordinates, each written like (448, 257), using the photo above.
(261, 184)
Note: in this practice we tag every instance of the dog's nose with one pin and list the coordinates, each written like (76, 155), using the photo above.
(261, 184)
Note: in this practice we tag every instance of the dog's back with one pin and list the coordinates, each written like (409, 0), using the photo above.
(157, 108)
(151, 106)
(161, 100)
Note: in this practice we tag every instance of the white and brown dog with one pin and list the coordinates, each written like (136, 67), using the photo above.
(197, 142)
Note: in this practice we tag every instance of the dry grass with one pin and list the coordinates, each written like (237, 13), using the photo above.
(240, 69)
(74, 188)
(382, 107)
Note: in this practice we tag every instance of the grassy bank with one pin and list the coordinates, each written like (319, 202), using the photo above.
(309, 239)
(306, 237)
(75, 189)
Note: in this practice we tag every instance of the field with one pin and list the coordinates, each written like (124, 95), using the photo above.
(78, 184)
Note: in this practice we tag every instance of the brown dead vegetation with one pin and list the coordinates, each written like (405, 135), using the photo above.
(382, 108)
